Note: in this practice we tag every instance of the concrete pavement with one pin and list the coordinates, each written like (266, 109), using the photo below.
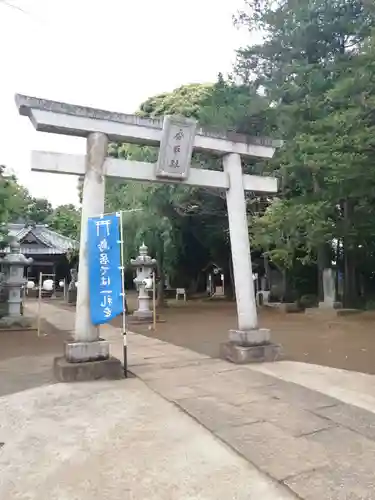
(110, 440)
(116, 441)
(350, 387)
(303, 435)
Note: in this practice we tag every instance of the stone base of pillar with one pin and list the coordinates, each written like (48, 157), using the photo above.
(109, 369)
(250, 337)
(139, 321)
(82, 352)
(240, 354)
(330, 305)
(142, 315)
(251, 346)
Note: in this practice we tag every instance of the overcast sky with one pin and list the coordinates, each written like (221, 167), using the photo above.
(110, 54)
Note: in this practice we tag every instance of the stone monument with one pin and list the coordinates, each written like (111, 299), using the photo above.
(13, 265)
(329, 290)
(143, 265)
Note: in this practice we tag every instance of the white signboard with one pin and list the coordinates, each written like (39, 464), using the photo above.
(176, 147)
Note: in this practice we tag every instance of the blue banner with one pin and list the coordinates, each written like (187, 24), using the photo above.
(105, 276)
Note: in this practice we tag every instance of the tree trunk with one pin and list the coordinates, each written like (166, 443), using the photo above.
(350, 298)
(284, 285)
(193, 285)
(267, 271)
(228, 285)
(160, 300)
(160, 296)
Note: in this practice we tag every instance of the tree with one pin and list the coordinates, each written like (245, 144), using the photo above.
(17, 204)
(148, 220)
(12, 201)
(311, 65)
(66, 220)
(187, 100)
(38, 210)
(186, 227)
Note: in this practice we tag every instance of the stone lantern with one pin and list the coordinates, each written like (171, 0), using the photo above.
(13, 266)
(144, 266)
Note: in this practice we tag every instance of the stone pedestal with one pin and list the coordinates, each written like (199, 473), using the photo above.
(80, 352)
(144, 266)
(109, 369)
(240, 354)
(255, 336)
(143, 316)
(251, 346)
(85, 361)
(143, 312)
(330, 305)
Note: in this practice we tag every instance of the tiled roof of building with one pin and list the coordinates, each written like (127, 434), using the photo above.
(39, 239)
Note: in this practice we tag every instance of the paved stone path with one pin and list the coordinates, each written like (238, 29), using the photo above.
(316, 445)
(116, 440)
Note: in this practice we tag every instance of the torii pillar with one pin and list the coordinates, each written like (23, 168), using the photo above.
(247, 343)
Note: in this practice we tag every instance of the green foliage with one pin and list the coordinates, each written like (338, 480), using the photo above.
(184, 227)
(224, 105)
(37, 210)
(13, 197)
(316, 65)
(187, 100)
(287, 228)
(310, 65)
(14, 202)
(66, 220)
(310, 81)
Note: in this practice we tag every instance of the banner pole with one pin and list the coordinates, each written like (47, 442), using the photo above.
(124, 336)
(153, 300)
(39, 300)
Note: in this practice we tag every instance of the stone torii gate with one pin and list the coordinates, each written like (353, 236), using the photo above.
(248, 342)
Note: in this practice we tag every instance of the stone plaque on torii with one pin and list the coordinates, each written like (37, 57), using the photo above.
(177, 138)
